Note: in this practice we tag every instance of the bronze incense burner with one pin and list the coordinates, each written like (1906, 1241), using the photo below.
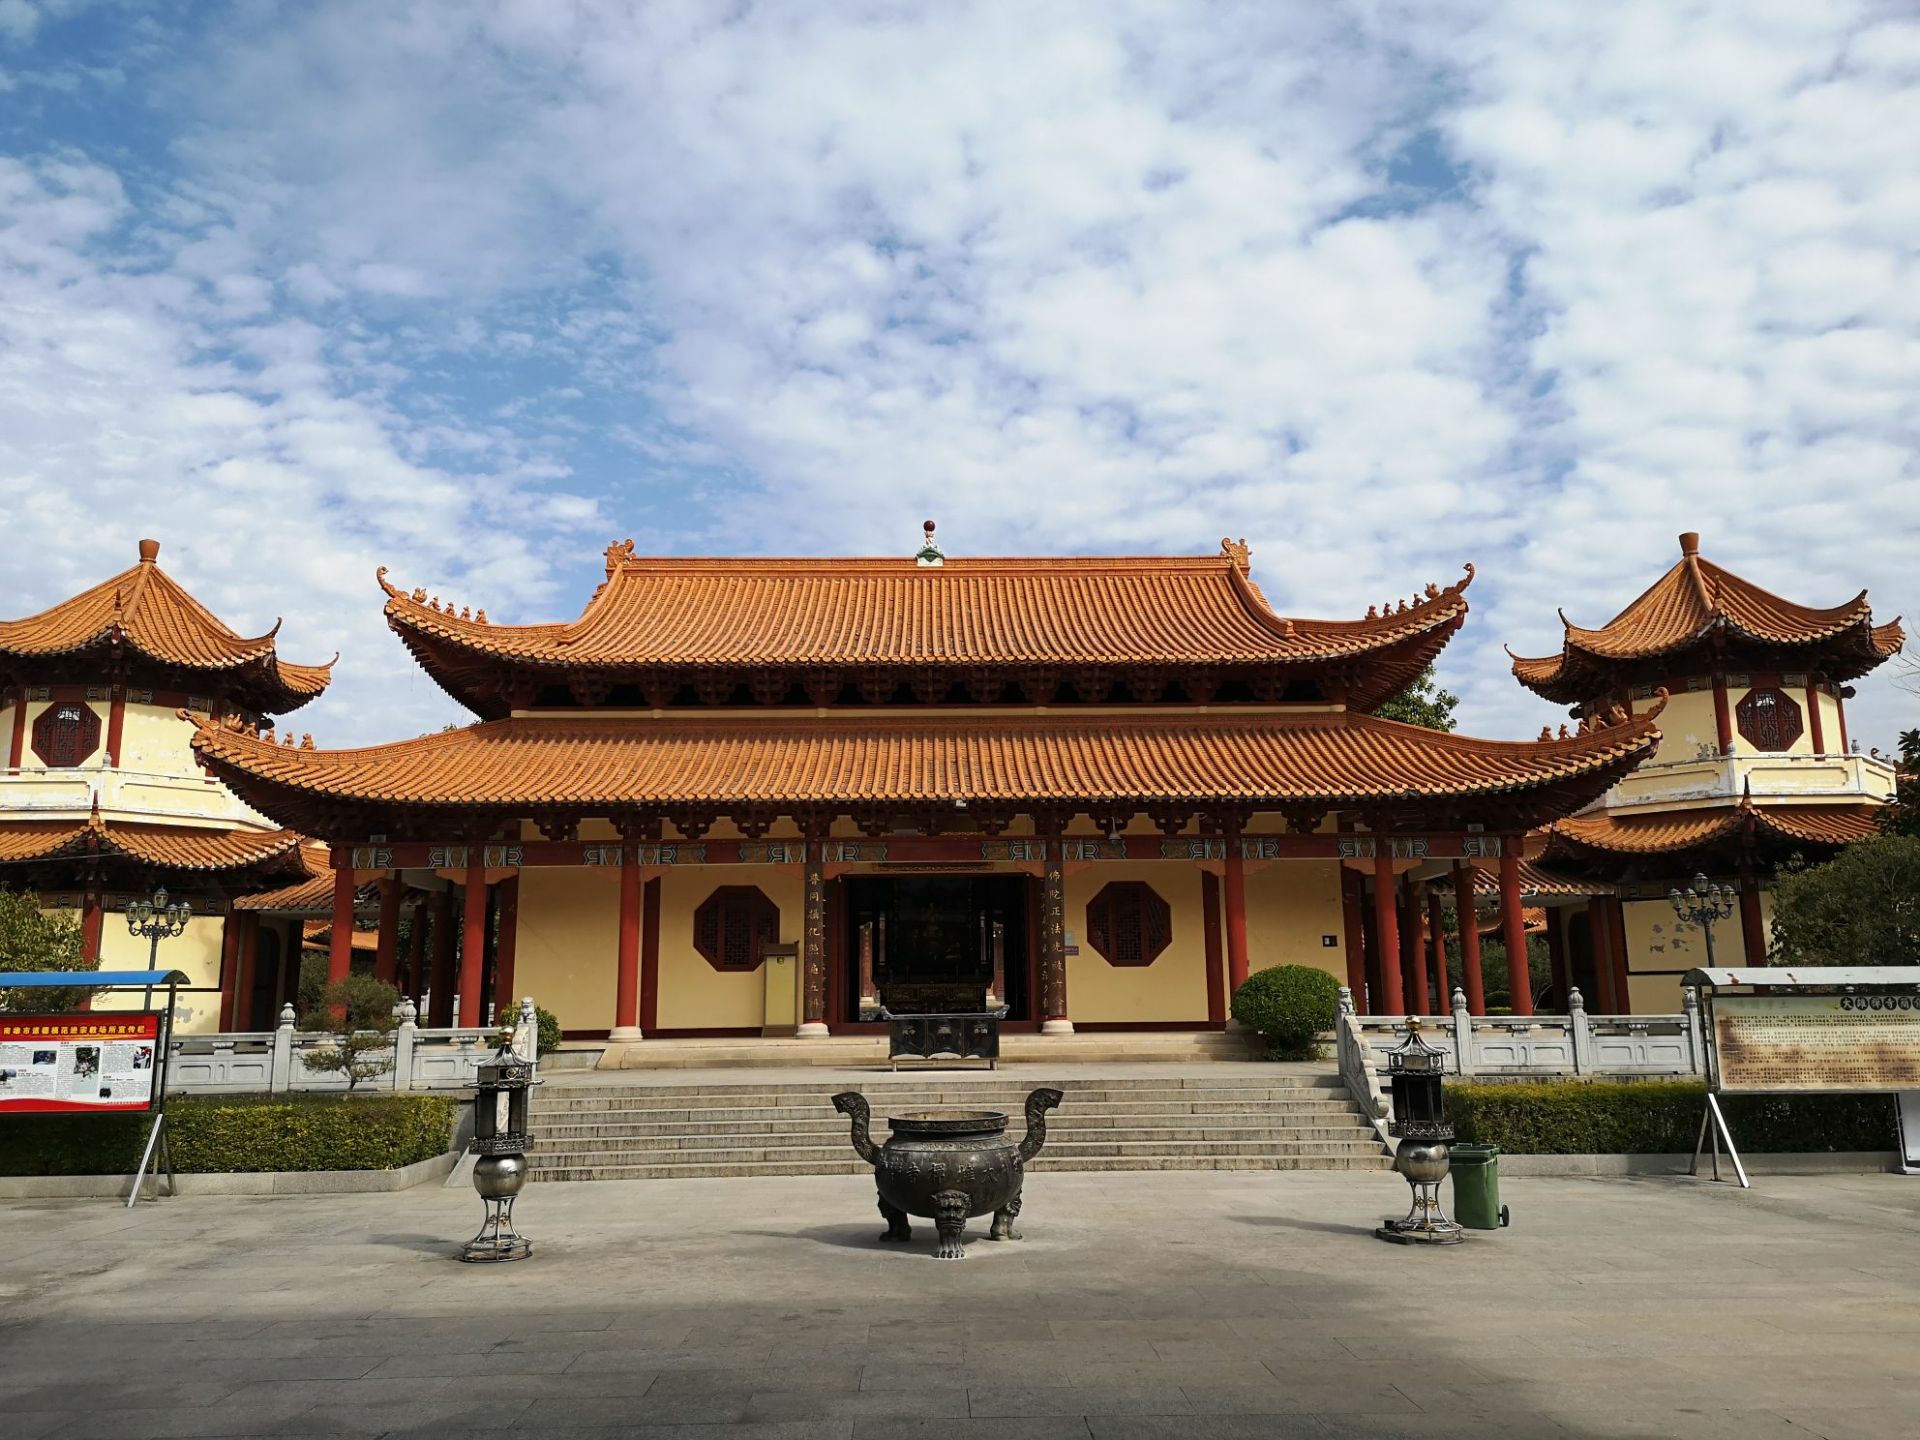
(949, 1166)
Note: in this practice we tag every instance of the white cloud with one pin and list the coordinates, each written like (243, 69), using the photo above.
(1072, 277)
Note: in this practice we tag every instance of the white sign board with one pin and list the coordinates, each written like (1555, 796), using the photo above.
(1840, 1044)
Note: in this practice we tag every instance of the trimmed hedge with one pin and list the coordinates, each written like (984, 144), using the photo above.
(1661, 1117)
(212, 1134)
(1288, 1006)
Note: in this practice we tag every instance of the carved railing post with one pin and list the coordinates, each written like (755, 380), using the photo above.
(1696, 1037)
(404, 1036)
(526, 1031)
(1582, 1032)
(280, 1075)
(1463, 1061)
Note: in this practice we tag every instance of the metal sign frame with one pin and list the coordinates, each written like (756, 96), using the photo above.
(1869, 982)
(157, 1152)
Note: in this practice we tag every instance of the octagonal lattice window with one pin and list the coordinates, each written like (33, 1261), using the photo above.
(733, 927)
(1128, 924)
(1768, 719)
(65, 734)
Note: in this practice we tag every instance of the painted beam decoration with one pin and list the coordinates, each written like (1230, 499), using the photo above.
(50, 1064)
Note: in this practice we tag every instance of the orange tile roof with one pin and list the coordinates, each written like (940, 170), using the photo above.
(147, 612)
(795, 761)
(754, 614)
(1673, 832)
(171, 847)
(313, 894)
(1689, 604)
(317, 934)
(1536, 879)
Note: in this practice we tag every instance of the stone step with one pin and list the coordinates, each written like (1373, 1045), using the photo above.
(1058, 1152)
(1064, 1140)
(996, 1082)
(1370, 1161)
(775, 1118)
(1331, 1117)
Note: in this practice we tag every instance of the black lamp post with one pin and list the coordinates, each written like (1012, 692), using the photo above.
(1702, 903)
(501, 1141)
(1416, 1074)
(156, 920)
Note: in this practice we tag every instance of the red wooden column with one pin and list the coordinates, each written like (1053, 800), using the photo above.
(1840, 714)
(440, 968)
(1213, 948)
(116, 722)
(1352, 913)
(229, 966)
(1386, 928)
(473, 943)
(1752, 930)
(17, 750)
(1468, 919)
(505, 1002)
(1557, 953)
(1053, 942)
(1513, 928)
(1412, 966)
(1236, 887)
(1600, 947)
(386, 954)
(244, 966)
(1815, 727)
(626, 986)
(340, 942)
(1617, 936)
(1722, 715)
(416, 986)
(813, 942)
(1437, 942)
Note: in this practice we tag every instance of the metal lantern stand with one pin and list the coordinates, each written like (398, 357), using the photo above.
(1702, 904)
(501, 1141)
(1416, 1070)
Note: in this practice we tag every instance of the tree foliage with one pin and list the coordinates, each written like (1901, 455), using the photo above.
(1422, 703)
(36, 939)
(1288, 1005)
(1860, 908)
(1903, 816)
(358, 1013)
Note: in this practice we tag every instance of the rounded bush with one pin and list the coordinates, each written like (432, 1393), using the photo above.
(549, 1024)
(1289, 1005)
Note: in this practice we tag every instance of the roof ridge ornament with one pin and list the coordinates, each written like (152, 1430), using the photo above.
(618, 553)
(929, 556)
(1237, 551)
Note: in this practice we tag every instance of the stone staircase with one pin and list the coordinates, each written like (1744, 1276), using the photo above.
(1276, 1121)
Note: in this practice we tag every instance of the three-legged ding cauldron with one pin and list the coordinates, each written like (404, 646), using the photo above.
(949, 1166)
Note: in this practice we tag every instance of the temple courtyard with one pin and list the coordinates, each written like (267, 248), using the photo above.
(1192, 1305)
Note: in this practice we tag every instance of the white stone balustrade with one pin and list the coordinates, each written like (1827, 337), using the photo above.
(1492, 1045)
(275, 1060)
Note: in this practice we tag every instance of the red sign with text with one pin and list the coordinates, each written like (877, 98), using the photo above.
(100, 1062)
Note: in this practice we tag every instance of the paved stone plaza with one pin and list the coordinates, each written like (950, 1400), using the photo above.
(1141, 1305)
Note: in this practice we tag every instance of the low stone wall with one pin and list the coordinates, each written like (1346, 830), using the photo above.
(264, 1182)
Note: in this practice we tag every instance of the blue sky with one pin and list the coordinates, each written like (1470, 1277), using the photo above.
(471, 289)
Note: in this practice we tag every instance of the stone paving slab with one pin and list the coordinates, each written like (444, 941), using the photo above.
(1202, 1306)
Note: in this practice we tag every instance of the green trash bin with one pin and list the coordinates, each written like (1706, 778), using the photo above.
(1476, 1187)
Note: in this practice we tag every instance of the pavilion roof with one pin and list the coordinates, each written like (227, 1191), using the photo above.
(1674, 832)
(1536, 879)
(668, 616)
(168, 847)
(144, 612)
(1695, 603)
(312, 894)
(798, 762)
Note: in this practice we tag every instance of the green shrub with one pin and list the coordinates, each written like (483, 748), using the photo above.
(358, 1011)
(550, 1034)
(1289, 1005)
(214, 1133)
(1660, 1117)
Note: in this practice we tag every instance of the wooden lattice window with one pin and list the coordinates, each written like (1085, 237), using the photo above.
(733, 927)
(1768, 719)
(1128, 924)
(66, 734)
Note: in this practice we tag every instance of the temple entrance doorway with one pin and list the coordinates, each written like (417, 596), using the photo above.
(938, 944)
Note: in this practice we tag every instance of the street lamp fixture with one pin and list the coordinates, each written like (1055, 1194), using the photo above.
(156, 920)
(1702, 903)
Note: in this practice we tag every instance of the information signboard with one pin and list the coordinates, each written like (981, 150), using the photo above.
(1812, 1043)
(87, 1062)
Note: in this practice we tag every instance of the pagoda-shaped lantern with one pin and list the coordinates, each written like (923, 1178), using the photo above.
(501, 1141)
(1416, 1073)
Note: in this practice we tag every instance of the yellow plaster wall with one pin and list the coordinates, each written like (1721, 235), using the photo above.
(1173, 987)
(1686, 724)
(196, 952)
(567, 947)
(154, 739)
(693, 995)
(1291, 905)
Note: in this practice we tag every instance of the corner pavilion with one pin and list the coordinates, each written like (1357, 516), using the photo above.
(751, 796)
